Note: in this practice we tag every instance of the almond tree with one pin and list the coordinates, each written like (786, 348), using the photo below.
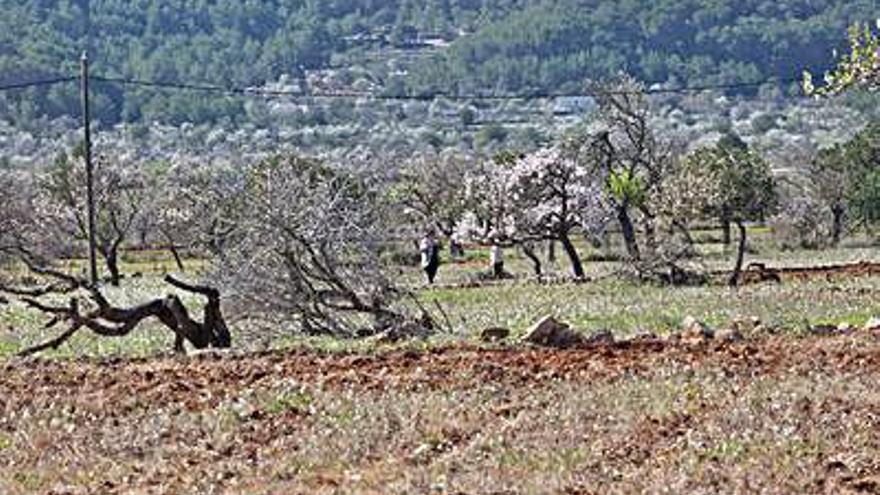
(744, 189)
(122, 197)
(430, 190)
(545, 195)
(630, 156)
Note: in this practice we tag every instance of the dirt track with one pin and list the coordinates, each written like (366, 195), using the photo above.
(59, 418)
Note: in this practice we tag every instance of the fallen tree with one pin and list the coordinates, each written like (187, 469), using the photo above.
(105, 319)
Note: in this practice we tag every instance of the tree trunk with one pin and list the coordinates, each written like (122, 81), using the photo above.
(176, 255)
(740, 255)
(576, 267)
(726, 236)
(536, 262)
(172, 247)
(650, 232)
(112, 321)
(111, 261)
(629, 233)
(838, 212)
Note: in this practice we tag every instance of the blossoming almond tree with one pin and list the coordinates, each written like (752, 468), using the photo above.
(545, 195)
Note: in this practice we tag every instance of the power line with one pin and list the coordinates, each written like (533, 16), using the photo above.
(33, 84)
(266, 93)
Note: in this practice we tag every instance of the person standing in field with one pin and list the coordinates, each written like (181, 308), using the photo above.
(430, 251)
(496, 258)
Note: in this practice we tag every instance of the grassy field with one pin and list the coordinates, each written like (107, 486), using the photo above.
(606, 303)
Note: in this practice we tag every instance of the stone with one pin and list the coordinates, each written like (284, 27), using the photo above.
(763, 329)
(824, 330)
(494, 334)
(872, 324)
(746, 325)
(549, 332)
(695, 332)
(729, 335)
(846, 328)
(604, 337)
(644, 337)
(403, 331)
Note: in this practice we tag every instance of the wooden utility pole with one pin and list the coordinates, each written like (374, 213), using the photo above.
(87, 153)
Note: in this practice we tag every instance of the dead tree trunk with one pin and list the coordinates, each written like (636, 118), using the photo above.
(740, 255)
(111, 321)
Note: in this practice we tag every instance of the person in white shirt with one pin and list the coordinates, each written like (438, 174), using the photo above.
(496, 258)
(430, 251)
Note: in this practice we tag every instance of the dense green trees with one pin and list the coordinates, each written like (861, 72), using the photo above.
(555, 45)
(498, 45)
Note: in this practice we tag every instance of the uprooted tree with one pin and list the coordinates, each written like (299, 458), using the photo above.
(309, 250)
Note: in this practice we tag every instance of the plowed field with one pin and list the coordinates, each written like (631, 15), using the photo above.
(771, 414)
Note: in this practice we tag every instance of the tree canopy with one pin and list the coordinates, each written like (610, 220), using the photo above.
(496, 45)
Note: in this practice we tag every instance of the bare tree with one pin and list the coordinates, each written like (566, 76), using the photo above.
(631, 157)
(122, 194)
(201, 205)
(430, 190)
(310, 249)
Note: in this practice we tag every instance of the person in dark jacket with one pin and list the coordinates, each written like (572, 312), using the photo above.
(430, 251)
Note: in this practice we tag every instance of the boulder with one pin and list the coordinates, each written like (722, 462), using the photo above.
(494, 334)
(549, 332)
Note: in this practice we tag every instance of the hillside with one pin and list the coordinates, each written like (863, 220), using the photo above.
(399, 46)
(557, 45)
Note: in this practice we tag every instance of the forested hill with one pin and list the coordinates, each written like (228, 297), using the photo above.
(558, 44)
(509, 45)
